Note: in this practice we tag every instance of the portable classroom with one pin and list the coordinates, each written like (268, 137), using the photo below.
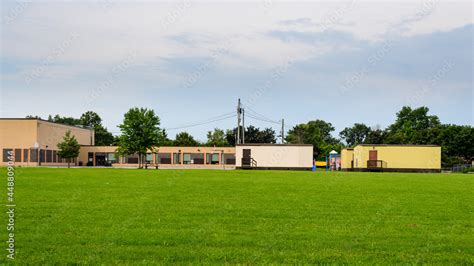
(396, 158)
(274, 156)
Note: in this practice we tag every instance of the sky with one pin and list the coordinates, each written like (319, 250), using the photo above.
(190, 61)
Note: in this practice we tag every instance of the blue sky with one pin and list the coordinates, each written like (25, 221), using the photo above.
(343, 62)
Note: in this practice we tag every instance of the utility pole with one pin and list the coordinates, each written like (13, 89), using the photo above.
(237, 140)
(243, 126)
(283, 131)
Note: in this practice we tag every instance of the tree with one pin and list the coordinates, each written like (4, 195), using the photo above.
(140, 133)
(65, 120)
(165, 141)
(412, 126)
(90, 119)
(354, 135)
(252, 135)
(375, 136)
(101, 135)
(457, 144)
(231, 136)
(216, 138)
(316, 132)
(68, 148)
(33, 117)
(186, 140)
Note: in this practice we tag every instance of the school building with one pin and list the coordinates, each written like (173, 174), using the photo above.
(34, 143)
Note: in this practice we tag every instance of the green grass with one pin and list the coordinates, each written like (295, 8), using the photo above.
(118, 216)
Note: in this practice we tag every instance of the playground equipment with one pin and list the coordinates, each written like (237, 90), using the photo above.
(333, 161)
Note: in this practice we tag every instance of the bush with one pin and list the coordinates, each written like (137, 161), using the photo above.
(468, 170)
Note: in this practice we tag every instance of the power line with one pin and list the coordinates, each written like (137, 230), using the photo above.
(208, 121)
(263, 120)
(263, 117)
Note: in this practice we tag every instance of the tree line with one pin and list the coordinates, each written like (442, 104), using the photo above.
(140, 131)
(411, 126)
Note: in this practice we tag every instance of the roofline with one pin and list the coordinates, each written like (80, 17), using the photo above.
(42, 120)
(398, 145)
(271, 144)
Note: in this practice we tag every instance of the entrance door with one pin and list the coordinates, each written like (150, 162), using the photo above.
(373, 155)
(246, 157)
(100, 159)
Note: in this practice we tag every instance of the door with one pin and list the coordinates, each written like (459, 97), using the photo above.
(372, 159)
(100, 159)
(373, 155)
(247, 154)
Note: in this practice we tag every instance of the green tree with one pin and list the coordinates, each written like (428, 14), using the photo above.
(375, 136)
(413, 126)
(457, 144)
(101, 135)
(33, 117)
(354, 135)
(184, 139)
(165, 140)
(317, 133)
(140, 133)
(216, 138)
(65, 120)
(252, 135)
(68, 148)
(90, 119)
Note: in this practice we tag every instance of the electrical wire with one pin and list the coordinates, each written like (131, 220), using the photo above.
(259, 116)
(260, 119)
(208, 121)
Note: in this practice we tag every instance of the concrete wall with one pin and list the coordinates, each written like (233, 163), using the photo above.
(400, 156)
(18, 133)
(278, 156)
(26, 133)
(52, 133)
(346, 158)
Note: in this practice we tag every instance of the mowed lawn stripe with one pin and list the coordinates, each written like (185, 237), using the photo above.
(190, 216)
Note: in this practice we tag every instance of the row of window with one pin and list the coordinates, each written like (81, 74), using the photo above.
(33, 155)
(164, 158)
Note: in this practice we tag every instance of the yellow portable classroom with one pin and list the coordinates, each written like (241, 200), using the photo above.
(396, 158)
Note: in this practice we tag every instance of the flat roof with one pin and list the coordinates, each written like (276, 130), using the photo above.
(271, 144)
(399, 145)
(46, 121)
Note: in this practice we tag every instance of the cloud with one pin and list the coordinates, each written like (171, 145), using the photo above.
(325, 49)
(298, 22)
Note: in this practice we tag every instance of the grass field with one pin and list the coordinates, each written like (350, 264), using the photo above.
(123, 216)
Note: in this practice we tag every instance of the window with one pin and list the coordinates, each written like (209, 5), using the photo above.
(193, 158)
(7, 153)
(34, 155)
(17, 155)
(111, 158)
(90, 156)
(132, 159)
(25, 155)
(187, 158)
(49, 156)
(149, 158)
(176, 158)
(212, 158)
(41, 156)
(229, 158)
(163, 158)
(55, 157)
